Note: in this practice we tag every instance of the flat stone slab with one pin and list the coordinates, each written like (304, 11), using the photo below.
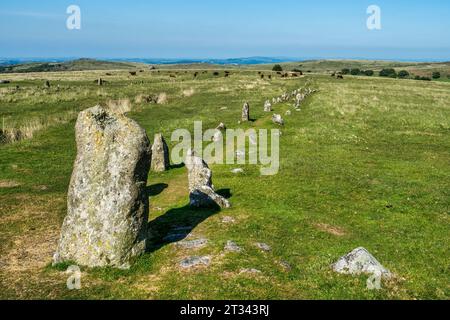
(193, 244)
(228, 219)
(237, 170)
(263, 246)
(190, 262)
(360, 261)
(250, 270)
(232, 247)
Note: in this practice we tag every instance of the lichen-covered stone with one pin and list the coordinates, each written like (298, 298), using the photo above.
(107, 204)
(160, 154)
(246, 112)
(267, 106)
(277, 119)
(201, 188)
(360, 261)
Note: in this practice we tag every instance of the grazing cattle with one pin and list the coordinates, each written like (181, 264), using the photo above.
(133, 73)
(340, 76)
(195, 74)
(262, 76)
(4, 81)
(215, 73)
(172, 76)
(270, 76)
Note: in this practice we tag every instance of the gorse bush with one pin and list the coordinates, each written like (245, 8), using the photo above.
(388, 73)
(277, 67)
(345, 71)
(403, 74)
(369, 73)
(355, 72)
(436, 75)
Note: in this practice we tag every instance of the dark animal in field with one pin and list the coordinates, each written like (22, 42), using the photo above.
(262, 76)
(226, 75)
(340, 76)
(108, 74)
(195, 74)
(141, 70)
(47, 84)
(333, 74)
(133, 73)
(216, 73)
(279, 72)
(173, 76)
(4, 81)
(259, 72)
(270, 76)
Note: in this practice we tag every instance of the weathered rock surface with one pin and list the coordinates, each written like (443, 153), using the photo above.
(246, 112)
(193, 244)
(106, 222)
(201, 188)
(277, 119)
(267, 106)
(232, 246)
(160, 154)
(250, 270)
(228, 219)
(195, 261)
(263, 246)
(360, 261)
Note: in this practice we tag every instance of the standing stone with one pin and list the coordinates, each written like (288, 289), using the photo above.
(246, 112)
(218, 135)
(107, 204)
(201, 189)
(277, 119)
(100, 81)
(267, 106)
(160, 154)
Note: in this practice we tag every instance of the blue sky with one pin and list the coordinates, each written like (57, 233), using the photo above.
(411, 29)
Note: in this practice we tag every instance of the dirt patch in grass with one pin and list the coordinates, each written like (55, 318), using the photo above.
(9, 184)
(336, 231)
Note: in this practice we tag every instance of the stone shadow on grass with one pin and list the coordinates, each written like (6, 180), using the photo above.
(175, 225)
(156, 189)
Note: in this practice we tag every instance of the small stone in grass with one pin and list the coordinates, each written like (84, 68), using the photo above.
(263, 246)
(190, 262)
(193, 244)
(232, 246)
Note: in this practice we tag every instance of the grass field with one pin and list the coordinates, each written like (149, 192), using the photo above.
(365, 163)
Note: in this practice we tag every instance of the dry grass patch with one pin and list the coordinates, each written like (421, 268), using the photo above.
(9, 184)
(336, 231)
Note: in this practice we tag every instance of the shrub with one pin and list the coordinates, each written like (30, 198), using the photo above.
(403, 74)
(436, 75)
(277, 67)
(388, 73)
(345, 71)
(355, 72)
(425, 78)
(369, 73)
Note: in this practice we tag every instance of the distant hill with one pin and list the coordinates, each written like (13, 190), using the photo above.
(75, 65)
